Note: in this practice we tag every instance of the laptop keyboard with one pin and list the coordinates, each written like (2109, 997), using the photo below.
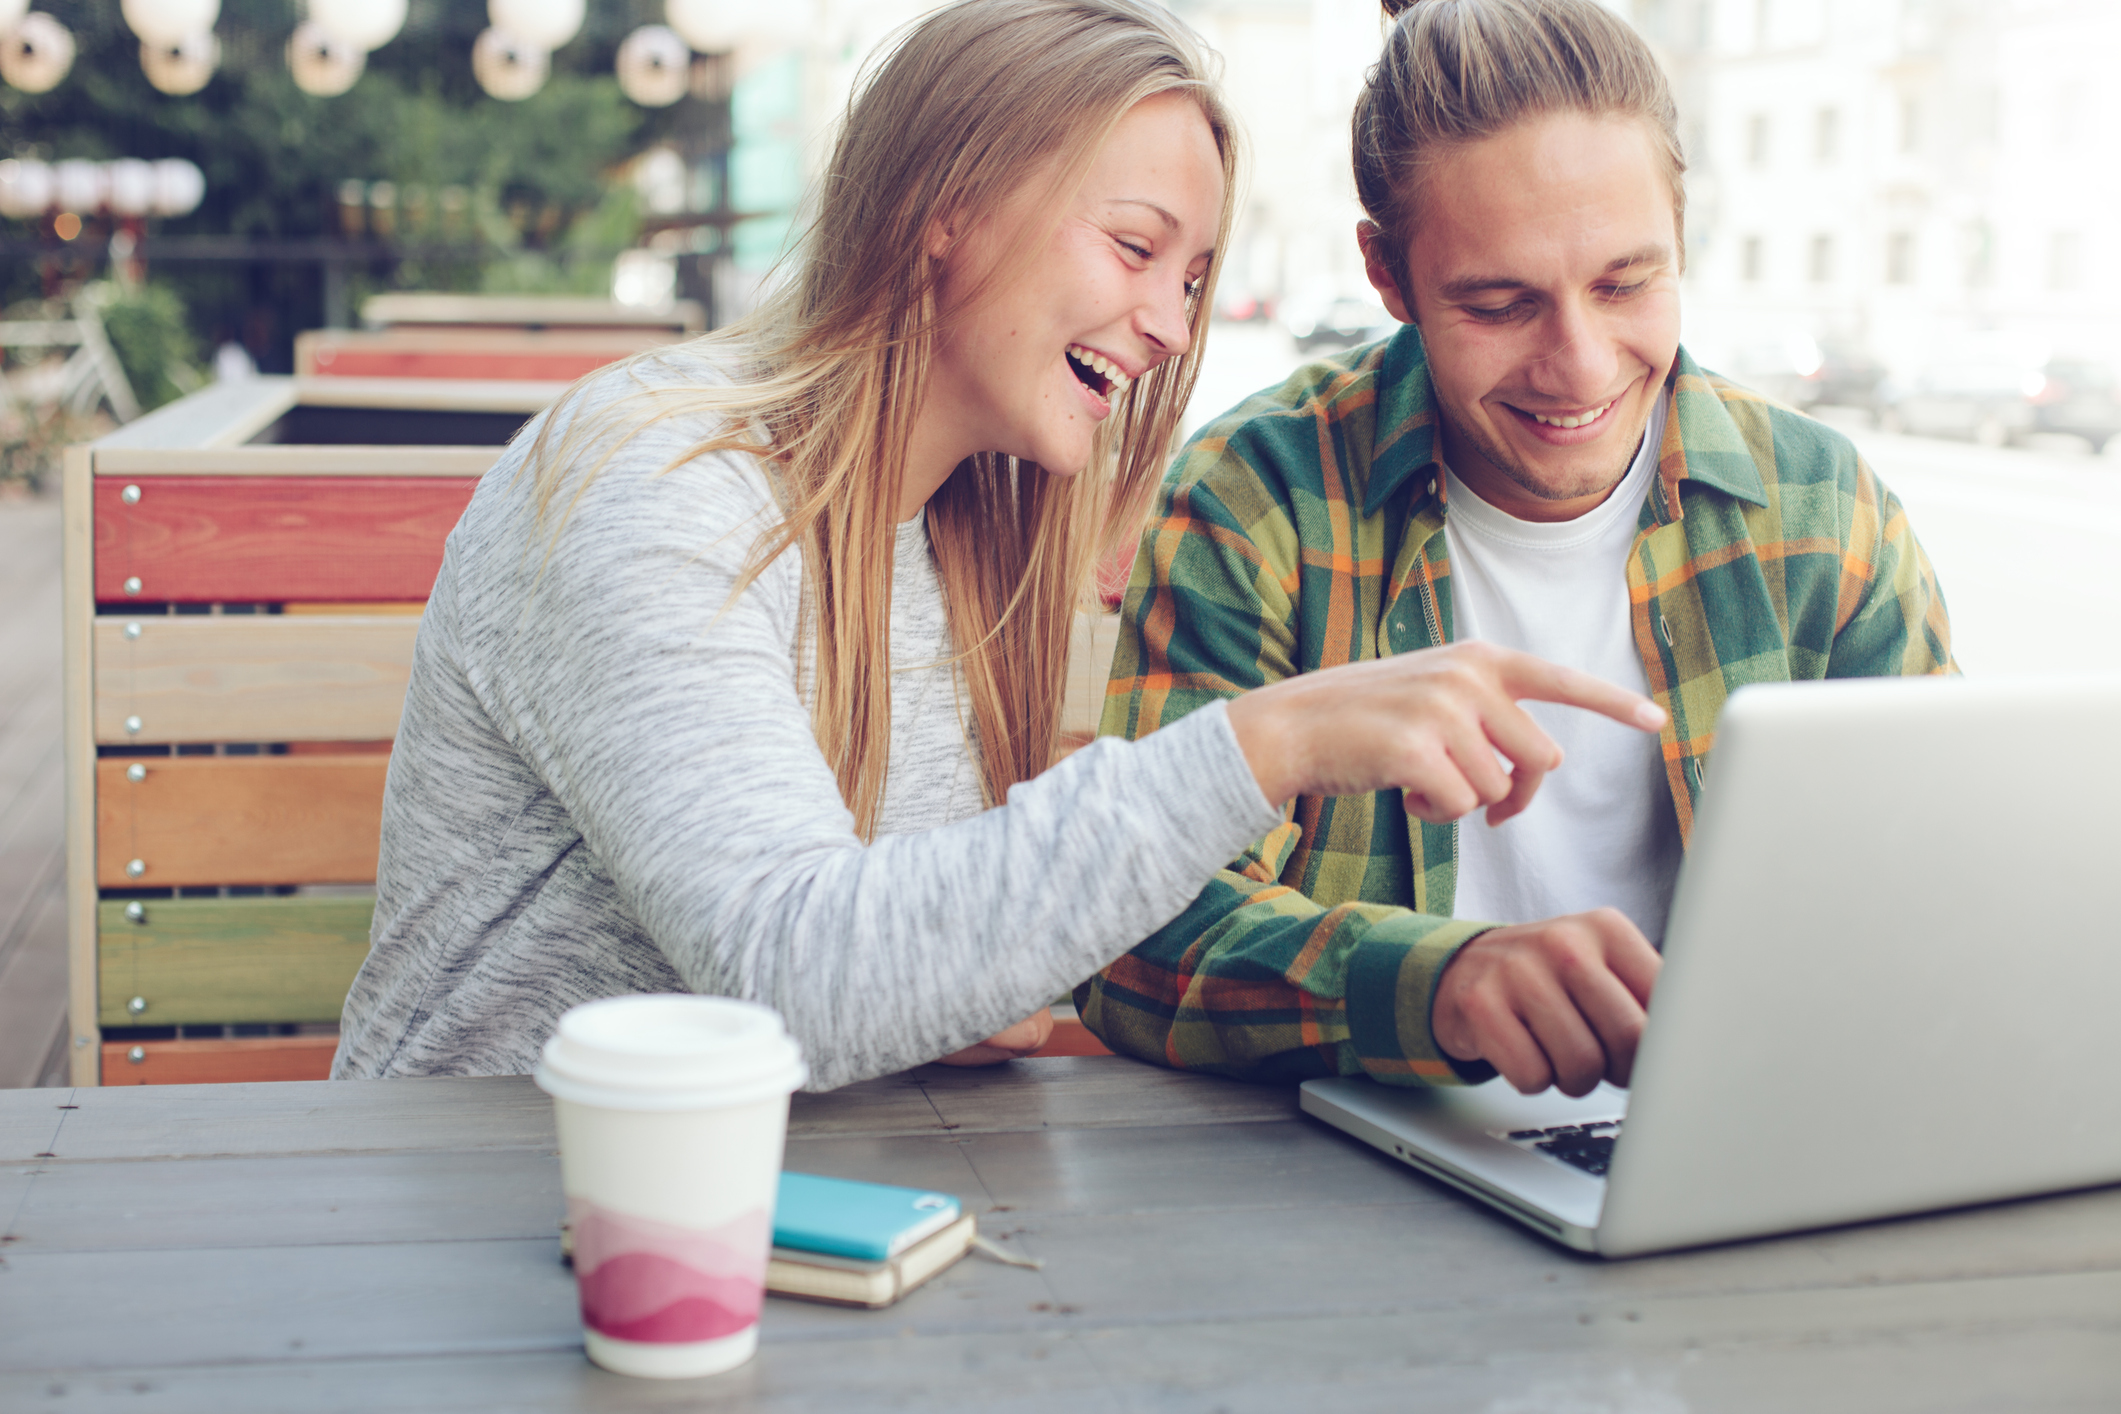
(1585, 1146)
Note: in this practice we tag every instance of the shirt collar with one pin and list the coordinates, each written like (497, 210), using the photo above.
(1701, 441)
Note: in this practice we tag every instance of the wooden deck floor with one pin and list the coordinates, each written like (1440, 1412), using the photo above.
(32, 815)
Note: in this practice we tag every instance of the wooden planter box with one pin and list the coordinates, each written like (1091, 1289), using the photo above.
(244, 572)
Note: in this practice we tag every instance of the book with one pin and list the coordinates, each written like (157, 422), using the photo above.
(854, 1281)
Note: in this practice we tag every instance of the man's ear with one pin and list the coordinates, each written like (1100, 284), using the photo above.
(1378, 267)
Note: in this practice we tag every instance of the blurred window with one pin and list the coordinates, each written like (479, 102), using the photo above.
(1910, 123)
(1822, 261)
(2064, 250)
(1826, 135)
(1900, 258)
(1752, 259)
(1980, 255)
(1756, 139)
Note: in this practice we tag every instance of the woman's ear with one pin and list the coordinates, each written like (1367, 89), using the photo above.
(941, 236)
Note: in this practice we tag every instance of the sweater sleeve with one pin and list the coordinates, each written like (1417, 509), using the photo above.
(664, 716)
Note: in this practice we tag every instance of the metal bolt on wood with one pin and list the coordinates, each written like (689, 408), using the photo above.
(130, 495)
(133, 725)
(135, 868)
(137, 1054)
(136, 1006)
(136, 912)
(132, 630)
(132, 584)
(136, 773)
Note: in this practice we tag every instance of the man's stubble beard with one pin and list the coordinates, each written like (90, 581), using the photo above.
(1598, 484)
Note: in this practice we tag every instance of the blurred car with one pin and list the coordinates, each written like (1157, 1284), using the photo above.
(1807, 373)
(1982, 394)
(1339, 324)
(2080, 398)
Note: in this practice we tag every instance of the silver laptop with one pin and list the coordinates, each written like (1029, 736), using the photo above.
(1892, 983)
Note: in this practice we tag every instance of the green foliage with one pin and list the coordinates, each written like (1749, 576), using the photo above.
(274, 157)
(148, 330)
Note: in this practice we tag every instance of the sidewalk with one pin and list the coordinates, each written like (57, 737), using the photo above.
(32, 813)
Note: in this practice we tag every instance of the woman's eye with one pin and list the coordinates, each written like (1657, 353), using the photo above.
(1138, 252)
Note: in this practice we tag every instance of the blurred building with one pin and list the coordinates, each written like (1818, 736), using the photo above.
(1910, 177)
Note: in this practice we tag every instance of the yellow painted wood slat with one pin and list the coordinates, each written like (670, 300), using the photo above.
(264, 677)
(193, 820)
(191, 961)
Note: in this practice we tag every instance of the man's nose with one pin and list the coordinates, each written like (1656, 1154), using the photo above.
(1582, 357)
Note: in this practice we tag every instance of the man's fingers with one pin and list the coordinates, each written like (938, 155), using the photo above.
(1574, 1053)
(1628, 954)
(1500, 1039)
(1526, 676)
(1615, 1016)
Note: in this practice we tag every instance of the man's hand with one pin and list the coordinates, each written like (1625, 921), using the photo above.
(1018, 1041)
(1556, 1003)
(1429, 724)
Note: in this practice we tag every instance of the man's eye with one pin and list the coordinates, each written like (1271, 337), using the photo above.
(1624, 291)
(1499, 314)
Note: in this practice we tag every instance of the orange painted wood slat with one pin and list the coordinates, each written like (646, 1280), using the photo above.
(233, 1061)
(267, 539)
(197, 820)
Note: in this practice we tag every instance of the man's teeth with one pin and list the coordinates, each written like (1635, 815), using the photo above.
(1577, 421)
(1096, 362)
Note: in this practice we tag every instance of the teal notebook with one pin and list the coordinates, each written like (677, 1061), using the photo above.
(869, 1222)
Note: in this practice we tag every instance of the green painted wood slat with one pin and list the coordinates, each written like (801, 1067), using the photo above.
(203, 960)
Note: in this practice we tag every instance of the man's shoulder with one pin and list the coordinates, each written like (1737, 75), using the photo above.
(1273, 441)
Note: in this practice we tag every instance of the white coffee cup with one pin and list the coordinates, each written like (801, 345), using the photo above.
(672, 1112)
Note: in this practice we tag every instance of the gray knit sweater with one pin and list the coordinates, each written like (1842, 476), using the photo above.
(605, 782)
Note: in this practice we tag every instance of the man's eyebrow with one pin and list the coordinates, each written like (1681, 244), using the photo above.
(1171, 223)
(1467, 285)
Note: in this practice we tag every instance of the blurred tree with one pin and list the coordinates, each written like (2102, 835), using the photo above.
(276, 158)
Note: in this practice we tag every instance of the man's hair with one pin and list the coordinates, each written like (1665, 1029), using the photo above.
(1456, 71)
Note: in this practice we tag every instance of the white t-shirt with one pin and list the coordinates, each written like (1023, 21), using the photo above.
(1601, 830)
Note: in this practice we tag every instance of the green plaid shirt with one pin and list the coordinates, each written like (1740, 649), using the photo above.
(1305, 528)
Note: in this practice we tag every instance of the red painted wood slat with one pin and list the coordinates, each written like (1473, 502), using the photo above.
(265, 539)
(533, 365)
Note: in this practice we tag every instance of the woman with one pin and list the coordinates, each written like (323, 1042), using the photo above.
(743, 669)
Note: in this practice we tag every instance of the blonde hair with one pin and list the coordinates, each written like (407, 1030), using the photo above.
(1457, 71)
(957, 114)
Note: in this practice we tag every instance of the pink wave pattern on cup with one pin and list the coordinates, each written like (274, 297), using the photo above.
(662, 1284)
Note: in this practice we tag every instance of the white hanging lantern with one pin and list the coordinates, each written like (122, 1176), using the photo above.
(36, 53)
(79, 185)
(25, 188)
(169, 21)
(506, 67)
(542, 24)
(710, 26)
(323, 64)
(655, 66)
(11, 13)
(179, 187)
(132, 186)
(183, 67)
(364, 24)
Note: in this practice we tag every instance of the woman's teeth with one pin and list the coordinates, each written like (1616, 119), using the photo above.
(1115, 381)
(1577, 421)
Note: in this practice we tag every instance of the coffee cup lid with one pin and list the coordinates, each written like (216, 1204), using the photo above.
(670, 1052)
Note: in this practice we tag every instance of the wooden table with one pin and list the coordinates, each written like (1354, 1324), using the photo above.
(391, 1246)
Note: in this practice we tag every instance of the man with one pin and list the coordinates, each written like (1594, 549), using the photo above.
(1535, 463)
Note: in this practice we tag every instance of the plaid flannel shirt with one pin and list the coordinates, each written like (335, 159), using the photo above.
(1305, 528)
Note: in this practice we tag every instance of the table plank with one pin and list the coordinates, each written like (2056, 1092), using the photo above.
(303, 1117)
(1094, 1092)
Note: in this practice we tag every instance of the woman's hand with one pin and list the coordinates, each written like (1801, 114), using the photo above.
(1428, 724)
(1018, 1041)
